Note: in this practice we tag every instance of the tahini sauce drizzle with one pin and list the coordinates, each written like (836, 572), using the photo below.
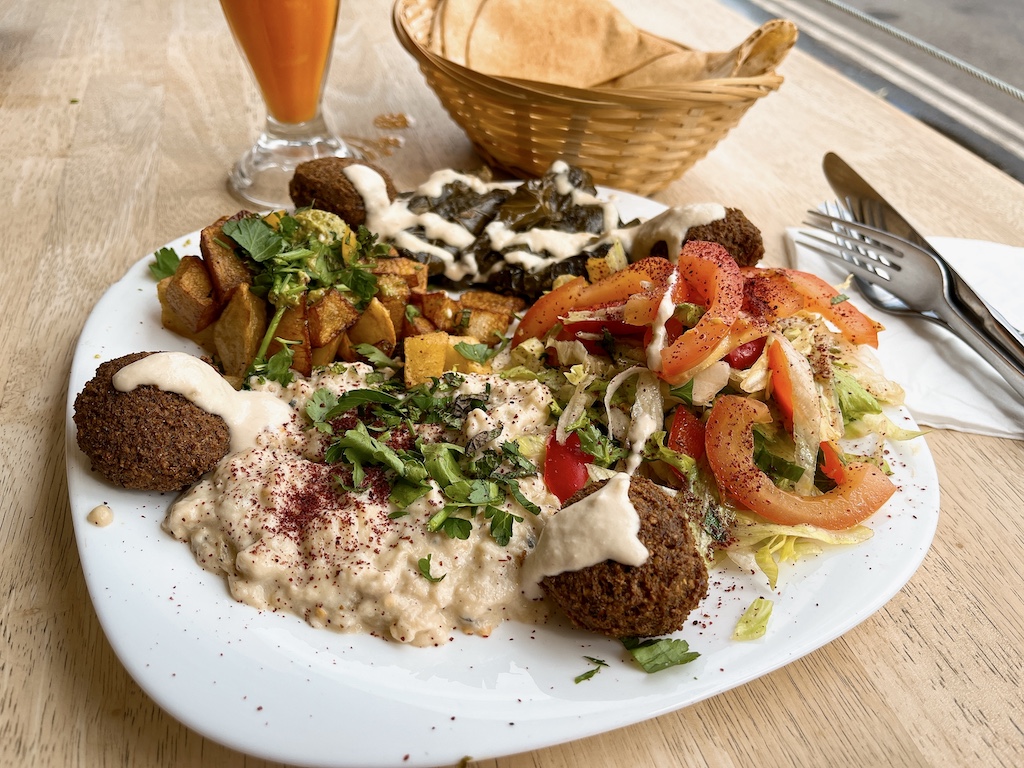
(603, 526)
(246, 413)
(671, 227)
(392, 220)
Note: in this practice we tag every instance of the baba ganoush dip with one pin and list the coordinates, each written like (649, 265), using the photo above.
(280, 525)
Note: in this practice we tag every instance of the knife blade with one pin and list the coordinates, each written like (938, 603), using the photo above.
(849, 185)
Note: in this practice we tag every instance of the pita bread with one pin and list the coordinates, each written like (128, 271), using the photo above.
(589, 44)
(566, 43)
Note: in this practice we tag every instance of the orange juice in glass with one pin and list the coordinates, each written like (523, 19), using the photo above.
(287, 45)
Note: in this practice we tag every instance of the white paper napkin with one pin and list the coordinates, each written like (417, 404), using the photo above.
(948, 385)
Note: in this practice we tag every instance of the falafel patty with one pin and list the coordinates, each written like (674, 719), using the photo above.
(638, 601)
(322, 183)
(736, 233)
(146, 439)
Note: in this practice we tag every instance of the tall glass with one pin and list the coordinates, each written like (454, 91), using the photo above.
(287, 45)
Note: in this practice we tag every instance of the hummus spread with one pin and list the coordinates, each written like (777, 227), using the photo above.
(288, 536)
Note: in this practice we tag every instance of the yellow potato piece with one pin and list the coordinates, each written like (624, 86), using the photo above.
(239, 331)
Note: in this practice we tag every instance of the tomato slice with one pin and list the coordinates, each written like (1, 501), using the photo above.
(565, 466)
(778, 293)
(645, 278)
(544, 313)
(715, 277)
(831, 462)
(686, 434)
(729, 440)
(782, 384)
(584, 332)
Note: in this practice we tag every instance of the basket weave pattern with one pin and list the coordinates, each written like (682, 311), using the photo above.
(636, 140)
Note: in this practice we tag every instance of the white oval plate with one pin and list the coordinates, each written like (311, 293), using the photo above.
(271, 686)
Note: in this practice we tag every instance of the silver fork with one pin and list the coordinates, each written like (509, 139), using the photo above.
(875, 295)
(913, 276)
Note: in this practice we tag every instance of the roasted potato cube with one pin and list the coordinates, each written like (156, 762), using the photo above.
(485, 325)
(414, 323)
(440, 309)
(227, 270)
(412, 272)
(327, 354)
(239, 331)
(492, 302)
(425, 357)
(190, 295)
(172, 322)
(293, 328)
(393, 293)
(329, 316)
(374, 327)
(454, 361)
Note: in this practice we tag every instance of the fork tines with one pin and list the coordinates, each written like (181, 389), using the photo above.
(862, 248)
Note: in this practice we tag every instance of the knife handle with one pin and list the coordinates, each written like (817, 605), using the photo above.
(993, 353)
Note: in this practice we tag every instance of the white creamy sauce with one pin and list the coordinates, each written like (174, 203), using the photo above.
(671, 227)
(278, 526)
(647, 416)
(247, 414)
(666, 308)
(101, 516)
(603, 526)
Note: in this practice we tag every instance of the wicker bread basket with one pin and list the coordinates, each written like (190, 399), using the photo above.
(636, 140)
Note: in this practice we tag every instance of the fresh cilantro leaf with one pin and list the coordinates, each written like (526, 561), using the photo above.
(360, 447)
(656, 654)
(377, 358)
(480, 353)
(517, 494)
(598, 663)
(318, 406)
(404, 492)
(446, 521)
(165, 264)
(501, 524)
(424, 565)
(254, 235)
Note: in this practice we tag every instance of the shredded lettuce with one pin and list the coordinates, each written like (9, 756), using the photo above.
(754, 621)
(760, 545)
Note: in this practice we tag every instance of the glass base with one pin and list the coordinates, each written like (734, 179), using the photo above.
(262, 174)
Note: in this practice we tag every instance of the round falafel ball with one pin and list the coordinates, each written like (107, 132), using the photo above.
(736, 233)
(322, 183)
(146, 439)
(638, 601)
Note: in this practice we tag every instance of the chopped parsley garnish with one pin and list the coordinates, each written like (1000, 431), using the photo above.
(656, 654)
(598, 664)
(473, 480)
(424, 565)
(165, 264)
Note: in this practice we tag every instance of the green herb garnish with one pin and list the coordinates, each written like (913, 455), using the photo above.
(654, 655)
(598, 663)
(165, 264)
(424, 565)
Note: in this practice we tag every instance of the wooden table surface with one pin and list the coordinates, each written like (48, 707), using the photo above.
(118, 122)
